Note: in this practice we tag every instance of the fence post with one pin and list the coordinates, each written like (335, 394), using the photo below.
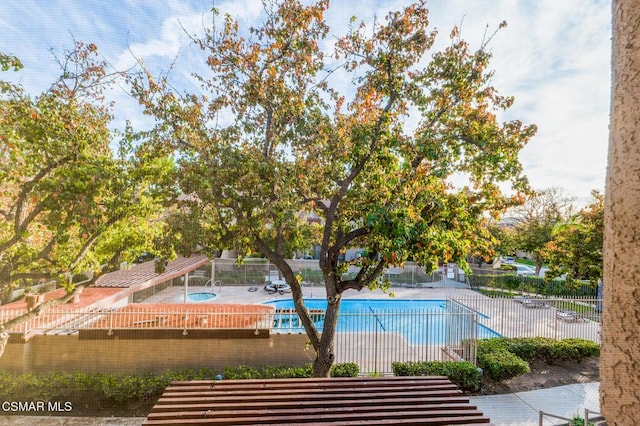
(502, 309)
(375, 346)
(185, 318)
(26, 329)
(110, 332)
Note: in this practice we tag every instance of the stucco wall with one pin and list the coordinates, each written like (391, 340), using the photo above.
(70, 353)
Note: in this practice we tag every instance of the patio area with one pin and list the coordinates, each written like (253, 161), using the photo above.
(235, 294)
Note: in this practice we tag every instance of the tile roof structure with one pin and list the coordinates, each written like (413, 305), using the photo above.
(90, 297)
(144, 275)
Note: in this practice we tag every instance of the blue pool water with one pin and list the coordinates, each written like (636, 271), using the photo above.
(421, 321)
(201, 297)
(358, 305)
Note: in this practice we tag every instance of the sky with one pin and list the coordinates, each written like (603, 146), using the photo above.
(554, 57)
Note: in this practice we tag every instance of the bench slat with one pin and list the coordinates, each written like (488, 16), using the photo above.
(338, 401)
(329, 417)
(353, 393)
(362, 411)
(302, 389)
(440, 421)
(312, 382)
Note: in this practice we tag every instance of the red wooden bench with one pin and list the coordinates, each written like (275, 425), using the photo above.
(335, 401)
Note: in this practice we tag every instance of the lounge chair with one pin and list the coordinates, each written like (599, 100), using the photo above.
(281, 288)
(534, 303)
(570, 316)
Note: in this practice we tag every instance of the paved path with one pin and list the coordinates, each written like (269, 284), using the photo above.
(522, 408)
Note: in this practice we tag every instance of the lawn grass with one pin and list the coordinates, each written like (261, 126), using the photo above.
(583, 309)
(496, 293)
(525, 262)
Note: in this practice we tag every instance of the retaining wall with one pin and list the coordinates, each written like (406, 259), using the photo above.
(127, 354)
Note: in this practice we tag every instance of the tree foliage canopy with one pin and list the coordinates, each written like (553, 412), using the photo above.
(535, 220)
(273, 135)
(576, 247)
(67, 203)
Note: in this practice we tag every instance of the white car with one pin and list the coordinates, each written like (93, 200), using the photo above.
(525, 270)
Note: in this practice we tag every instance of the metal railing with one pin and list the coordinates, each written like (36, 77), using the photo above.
(257, 271)
(542, 415)
(68, 321)
(373, 338)
(531, 316)
(587, 420)
(508, 281)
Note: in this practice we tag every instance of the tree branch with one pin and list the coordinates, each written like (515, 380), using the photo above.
(346, 183)
(361, 281)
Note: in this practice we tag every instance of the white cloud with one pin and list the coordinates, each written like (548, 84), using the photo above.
(554, 57)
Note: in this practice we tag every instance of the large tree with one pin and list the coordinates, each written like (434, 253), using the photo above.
(535, 220)
(68, 203)
(270, 137)
(576, 246)
(620, 359)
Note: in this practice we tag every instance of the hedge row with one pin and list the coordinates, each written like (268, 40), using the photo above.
(135, 387)
(542, 348)
(502, 365)
(501, 358)
(536, 285)
(347, 369)
(464, 374)
(504, 358)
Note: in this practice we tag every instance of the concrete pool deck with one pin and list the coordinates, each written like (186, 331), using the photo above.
(233, 294)
(507, 317)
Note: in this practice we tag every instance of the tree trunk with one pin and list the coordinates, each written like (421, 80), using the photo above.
(620, 358)
(5, 294)
(6, 290)
(325, 355)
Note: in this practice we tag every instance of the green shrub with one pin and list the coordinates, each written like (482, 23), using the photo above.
(584, 348)
(267, 372)
(464, 374)
(123, 387)
(542, 348)
(281, 372)
(493, 344)
(531, 348)
(561, 351)
(511, 282)
(531, 284)
(346, 369)
(502, 365)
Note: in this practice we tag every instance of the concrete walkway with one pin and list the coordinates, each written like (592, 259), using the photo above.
(516, 409)
(522, 408)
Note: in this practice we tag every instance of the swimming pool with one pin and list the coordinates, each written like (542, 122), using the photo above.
(420, 321)
(201, 297)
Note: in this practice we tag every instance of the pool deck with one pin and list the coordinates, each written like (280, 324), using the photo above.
(242, 294)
